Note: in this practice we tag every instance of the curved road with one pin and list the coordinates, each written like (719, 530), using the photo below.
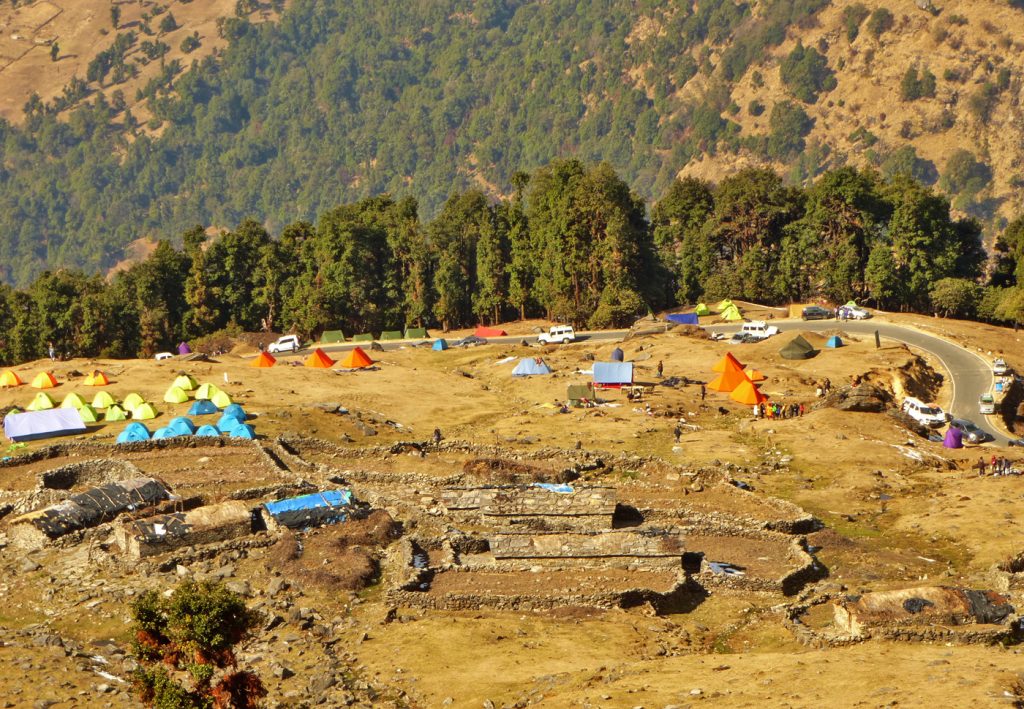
(970, 375)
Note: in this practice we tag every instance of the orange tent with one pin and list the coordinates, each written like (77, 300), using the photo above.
(266, 360)
(754, 375)
(356, 359)
(727, 361)
(97, 379)
(728, 380)
(44, 380)
(318, 358)
(10, 379)
(747, 393)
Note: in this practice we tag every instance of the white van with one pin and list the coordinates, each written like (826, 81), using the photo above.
(924, 414)
(759, 329)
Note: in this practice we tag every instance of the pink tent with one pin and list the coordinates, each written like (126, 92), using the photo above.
(954, 438)
(183, 348)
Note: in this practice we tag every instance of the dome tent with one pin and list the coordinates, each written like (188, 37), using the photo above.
(88, 414)
(10, 379)
(221, 400)
(440, 345)
(41, 402)
(618, 355)
(144, 412)
(207, 431)
(133, 401)
(133, 432)
(175, 395)
(72, 401)
(165, 432)
(797, 348)
(103, 400)
(244, 431)
(834, 342)
(97, 379)
(228, 423)
(115, 413)
(206, 391)
(44, 380)
(182, 426)
(185, 382)
(235, 410)
(202, 407)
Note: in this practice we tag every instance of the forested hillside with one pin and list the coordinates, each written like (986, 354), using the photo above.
(340, 101)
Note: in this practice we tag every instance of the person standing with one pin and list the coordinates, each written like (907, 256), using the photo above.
(703, 391)
(981, 466)
(661, 368)
(677, 432)
(52, 352)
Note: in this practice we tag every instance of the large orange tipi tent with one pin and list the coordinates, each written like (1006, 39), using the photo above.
(318, 358)
(44, 380)
(731, 378)
(265, 359)
(356, 359)
(754, 375)
(10, 379)
(97, 379)
(727, 361)
(747, 393)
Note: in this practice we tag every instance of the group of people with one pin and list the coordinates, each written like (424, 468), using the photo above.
(778, 411)
(998, 465)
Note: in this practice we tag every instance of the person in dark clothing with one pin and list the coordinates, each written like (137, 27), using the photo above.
(661, 368)
(703, 392)
(677, 432)
(437, 436)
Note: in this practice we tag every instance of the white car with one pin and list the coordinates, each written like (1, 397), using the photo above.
(924, 414)
(853, 312)
(1000, 368)
(759, 329)
(987, 404)
(160, 356)
(557, 334)
(287, 343)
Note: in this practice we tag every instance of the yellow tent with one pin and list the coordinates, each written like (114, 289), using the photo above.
(10, 379)
(731, 313)
(72, 401)
(206, 391)
(185, 382)
(44, 380)
(175, 395)
(102, 400)
(144, 412)
(221, 400)
(41, 402)
(96, 379)
(132, 401)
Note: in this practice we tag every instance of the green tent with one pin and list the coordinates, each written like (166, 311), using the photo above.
(175, 395)
(332, 336)
(797, 348)
(221, 400)
(72, 401)
(115, 413)
(206, 391)
(575, 392)
(391, 335)
(701, 309)
(722, 305)
(144, 412)
(416, 333)
(41, 402)
(365, 337)
(185, 382)
(731, 313)
(102, 400)
(88, 414)
(133, 401)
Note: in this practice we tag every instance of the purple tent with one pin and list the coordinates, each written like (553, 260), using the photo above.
(33, 425)
(954, 438)
(183, 348)
(684, 318)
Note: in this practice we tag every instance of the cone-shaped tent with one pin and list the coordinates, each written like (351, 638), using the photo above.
(115, 413)
(264, 359)
(133, 432)
(184, 349)
(133, 401)
(203, 408)
(319, 359)
(182, 426)
(531, 366)
(747, 393)
(834, 341)
(175, 395)
(185, 382)
(41, 402)
(723, 304)
(727, 362)
(228, 423)
(954, 438)
(206, 391)
(207, 431)
(221, 399)
(165, 432)
(44, 380)
(754, 375)
(728, 380)
(701, 309)
(102, 400)
(97, 379)
(732, 313)
(440, 344)
(244, 431)
(72, 401)
(618, 355)
(356, 359)
(88, 414)
(10, 379)
(144, 412)
(797, 348)
(235, 410)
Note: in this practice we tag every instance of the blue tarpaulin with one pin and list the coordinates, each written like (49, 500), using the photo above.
(325, 507)
(613, 373)
(34, 425)
(563, 488)
(683, 318)
(530, 366)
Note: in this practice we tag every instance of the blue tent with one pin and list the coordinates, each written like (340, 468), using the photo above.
(325, 507)
(683, 318)
(165, 432)
(134, 431)
(235, 410)
(530, 366)
(612, 374)
(618, 355)
(182, 426)
(203, 407)
(244, 430)
(207, 431)
(834, 341)
(34, 425)
(440, 344)
(228, 423)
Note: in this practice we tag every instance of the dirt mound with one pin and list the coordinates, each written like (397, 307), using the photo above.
(508, 472)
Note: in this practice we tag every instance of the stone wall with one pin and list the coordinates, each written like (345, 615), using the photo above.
(598, 545)
(204, 525)
(584, 508)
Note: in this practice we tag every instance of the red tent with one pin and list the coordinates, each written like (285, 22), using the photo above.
(318, 358)
(356, 359)
(482, 331)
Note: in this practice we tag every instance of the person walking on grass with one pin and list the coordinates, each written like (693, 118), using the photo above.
(677, 432)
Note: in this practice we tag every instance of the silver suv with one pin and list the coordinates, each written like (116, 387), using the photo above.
(288, 343)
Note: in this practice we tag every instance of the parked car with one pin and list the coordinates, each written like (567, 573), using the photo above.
(924, 414)
(286, 343)
(743, 338)
(972, 433)
(558, 333)
(987, 404)
(163, 355)
(759, 329)
(1000, 368)
(470, 341)
(853, 312)
(816, 312)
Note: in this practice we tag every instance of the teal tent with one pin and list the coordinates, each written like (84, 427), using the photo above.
(133, 432)
(834, 342)
(244, 430)
(207, 431)
(440, 344)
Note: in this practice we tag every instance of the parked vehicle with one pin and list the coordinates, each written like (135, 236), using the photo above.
(743, 338)
(1000, 368)
(853, 312)
(557, 334)
(163, 355)
(972, 433)
(286, 343)
(816, 312)
(924, 414)
(759, 329)
(987, 404)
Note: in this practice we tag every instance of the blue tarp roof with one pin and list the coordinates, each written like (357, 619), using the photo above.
(207, 431)
(683, 318)
(33, 425)
(439, 344)
(317, 508)
(134, 431)
(529, 366)
(613, 372)
(203, 408)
